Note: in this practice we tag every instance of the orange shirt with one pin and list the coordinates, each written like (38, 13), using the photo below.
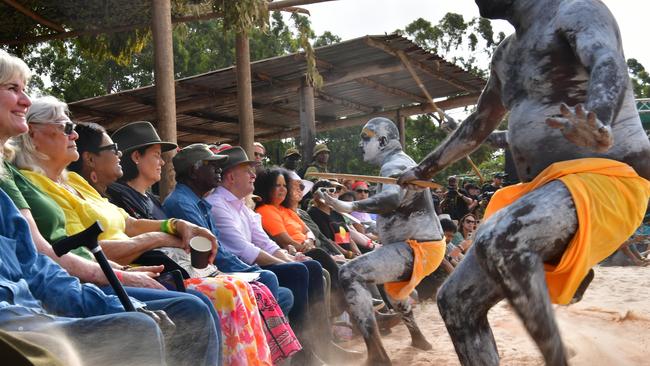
(278, 220)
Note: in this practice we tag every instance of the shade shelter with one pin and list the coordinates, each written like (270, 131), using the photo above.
(384, 75)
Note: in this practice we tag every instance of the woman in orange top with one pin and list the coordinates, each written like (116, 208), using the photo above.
(280, 220)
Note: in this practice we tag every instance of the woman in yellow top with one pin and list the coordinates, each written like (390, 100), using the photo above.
(45, 152)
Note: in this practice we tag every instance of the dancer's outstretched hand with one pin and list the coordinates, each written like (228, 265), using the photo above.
(583, 128)
(337, 205)
(407, 176)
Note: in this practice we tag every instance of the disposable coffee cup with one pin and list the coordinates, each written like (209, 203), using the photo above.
(200, 248)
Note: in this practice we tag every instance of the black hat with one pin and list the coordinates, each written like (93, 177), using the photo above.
(236, 156)
(189, 155)
(139, 134)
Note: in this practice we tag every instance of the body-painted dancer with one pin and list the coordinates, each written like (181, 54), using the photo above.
(410, 231)
(582, 154)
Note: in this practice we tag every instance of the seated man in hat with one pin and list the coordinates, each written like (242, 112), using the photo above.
(320, 157)
(241, 232)
(194, 180)
(291, 159)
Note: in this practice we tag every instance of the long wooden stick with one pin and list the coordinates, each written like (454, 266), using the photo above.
(373, 179)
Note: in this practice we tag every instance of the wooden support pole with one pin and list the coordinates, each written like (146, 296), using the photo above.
(244, 94)
(307, 120)
(401, 127)
(161, 27)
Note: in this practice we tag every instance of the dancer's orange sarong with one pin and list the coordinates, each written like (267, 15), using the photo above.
(427, 256)
(610, 200)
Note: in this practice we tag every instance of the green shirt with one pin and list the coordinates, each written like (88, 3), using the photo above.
(48, 215)
(315, 168)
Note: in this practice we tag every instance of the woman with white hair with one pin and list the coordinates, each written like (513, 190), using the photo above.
(34, 282)
(45, 152)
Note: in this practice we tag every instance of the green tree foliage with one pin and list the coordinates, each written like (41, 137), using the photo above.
(459, 42)
(640, 78)
(63, 69)
(467, 44)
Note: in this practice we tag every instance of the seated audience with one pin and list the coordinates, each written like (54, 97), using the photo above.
(43, 159)
(234, 299)
(241, 232)
(331, 223)
(280, 196)
(39, 296)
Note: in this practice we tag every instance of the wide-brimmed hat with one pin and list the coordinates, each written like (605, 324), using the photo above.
(306, 184)
(189, 155)
(139, 134)
(292, 151)
(319, 149)
(236, 156)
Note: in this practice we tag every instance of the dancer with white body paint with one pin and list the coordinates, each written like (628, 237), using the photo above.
(411, 233)
(582, 154)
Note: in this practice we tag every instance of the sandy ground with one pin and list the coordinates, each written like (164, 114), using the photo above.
(610, 326)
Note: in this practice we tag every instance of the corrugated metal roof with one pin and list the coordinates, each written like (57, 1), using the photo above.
(363, 77)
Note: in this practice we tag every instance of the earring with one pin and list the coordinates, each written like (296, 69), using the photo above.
(93, 177)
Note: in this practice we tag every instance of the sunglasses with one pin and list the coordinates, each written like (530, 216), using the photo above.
(67, 127)
(362, 191)
(328, 189)
(112, 147)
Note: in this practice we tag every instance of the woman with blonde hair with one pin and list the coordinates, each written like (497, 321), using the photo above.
(51, 287)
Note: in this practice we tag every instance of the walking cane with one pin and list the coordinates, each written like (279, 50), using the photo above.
(88, 239)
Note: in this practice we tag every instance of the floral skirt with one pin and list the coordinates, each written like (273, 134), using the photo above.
(255, 331)
(244, 342)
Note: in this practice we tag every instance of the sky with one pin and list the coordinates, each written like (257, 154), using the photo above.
(355, 18)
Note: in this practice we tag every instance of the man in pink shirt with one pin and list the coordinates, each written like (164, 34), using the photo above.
(241, 233)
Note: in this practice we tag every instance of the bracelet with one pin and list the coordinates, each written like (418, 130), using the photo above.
(119, 276)
(171, 224)
(164, 226)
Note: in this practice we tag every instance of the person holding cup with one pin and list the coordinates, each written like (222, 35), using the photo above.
(250, 330)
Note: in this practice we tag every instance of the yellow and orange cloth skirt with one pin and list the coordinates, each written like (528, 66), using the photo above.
(610, 200)
(427, 257)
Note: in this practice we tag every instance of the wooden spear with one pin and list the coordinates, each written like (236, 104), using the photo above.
(373, 179)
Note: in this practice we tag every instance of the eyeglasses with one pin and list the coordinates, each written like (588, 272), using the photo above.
(362, 191)
(66, 126)
(112, 147)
